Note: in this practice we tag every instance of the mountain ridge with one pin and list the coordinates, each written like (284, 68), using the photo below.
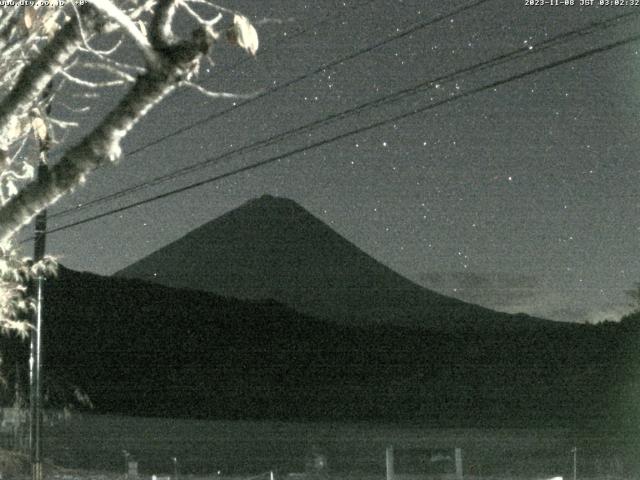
(140, 348)
(271, 247)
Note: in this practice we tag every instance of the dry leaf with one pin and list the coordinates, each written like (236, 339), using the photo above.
(29, 17)
(12, 190)
(40, 128)
(51, 26)
(243, 34)
(14, 129)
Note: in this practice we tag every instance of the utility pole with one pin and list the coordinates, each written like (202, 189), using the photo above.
(35, 358)
(175, 467)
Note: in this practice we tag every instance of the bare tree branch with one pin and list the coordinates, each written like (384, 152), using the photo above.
(129, 28)
(160, 32)
(38, 46)
(212, 94)
(102, 145)
(8, 23)
(38, 73)
(89, 84)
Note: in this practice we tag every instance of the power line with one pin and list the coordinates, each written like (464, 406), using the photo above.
(353, 132)
(356, 131)
(326, 19)
(301, 32)
(333, 63)
(319, 69)
(478, 67)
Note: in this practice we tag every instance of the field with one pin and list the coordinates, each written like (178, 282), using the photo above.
(250, 447)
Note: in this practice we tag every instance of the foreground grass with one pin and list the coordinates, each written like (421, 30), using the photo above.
(241, 449)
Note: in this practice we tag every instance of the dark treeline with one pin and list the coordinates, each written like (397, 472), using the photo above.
(142, 349)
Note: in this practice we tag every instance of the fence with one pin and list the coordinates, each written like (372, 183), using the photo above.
(421, 463)
(14, 426)
(14, 429)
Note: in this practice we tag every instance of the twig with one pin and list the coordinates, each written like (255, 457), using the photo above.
(129, 27)
(212, 94)
(92, 85)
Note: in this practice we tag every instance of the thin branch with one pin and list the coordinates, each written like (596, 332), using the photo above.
(73, 109)
(197, 16)
(111, 69)
(38, 73)
(84, 36)
(26, 173)
(20, 45)
(114, 63)
(279, 21)
(18, 151)
(62, 123)
(102, 145)
(145, 7)
(210, 61)
(113, 49)
(5, 161)
(129, 27)
(7, 25)
(213, 94)
(214, 5)
(19, 65)
(160, 26)
(85, 95)
(92, 85)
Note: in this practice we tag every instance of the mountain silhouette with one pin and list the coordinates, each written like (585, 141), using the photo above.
(272, 248)
(139, 348)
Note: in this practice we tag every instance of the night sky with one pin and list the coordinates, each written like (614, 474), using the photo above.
(522, 198)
